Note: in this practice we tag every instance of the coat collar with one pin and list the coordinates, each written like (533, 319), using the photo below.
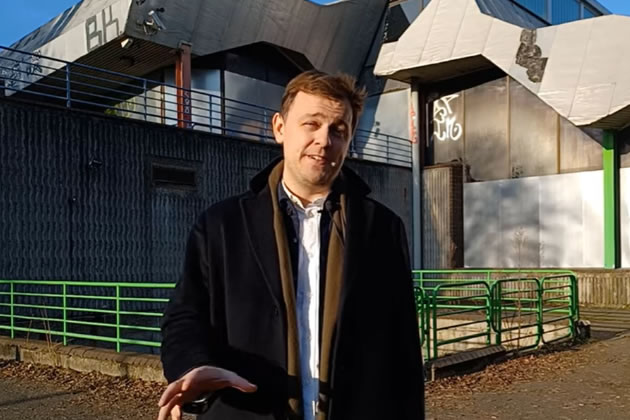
(257, 213)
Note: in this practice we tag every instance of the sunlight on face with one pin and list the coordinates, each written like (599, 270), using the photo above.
(315, 136)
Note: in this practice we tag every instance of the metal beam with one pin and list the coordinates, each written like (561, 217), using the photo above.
(612, 248)
(417, 135)
(183, 79)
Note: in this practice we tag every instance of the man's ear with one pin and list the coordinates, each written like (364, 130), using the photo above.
(277, 124)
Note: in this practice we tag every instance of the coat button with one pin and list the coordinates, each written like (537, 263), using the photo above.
(276, 312)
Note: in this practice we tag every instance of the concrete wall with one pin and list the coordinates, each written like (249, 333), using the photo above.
(624, 216)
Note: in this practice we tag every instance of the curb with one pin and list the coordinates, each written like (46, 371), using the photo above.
(146, 367)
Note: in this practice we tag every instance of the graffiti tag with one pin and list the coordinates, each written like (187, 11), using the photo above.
(96, 32)
(445, 120)
(22, 71)
(413, 135)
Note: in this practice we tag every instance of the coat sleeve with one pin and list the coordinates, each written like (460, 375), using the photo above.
(186, 329)
(409, 360)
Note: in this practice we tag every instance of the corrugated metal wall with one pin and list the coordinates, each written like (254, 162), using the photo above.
(443, 217)
(78, 204)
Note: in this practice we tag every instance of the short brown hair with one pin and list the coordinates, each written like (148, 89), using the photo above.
(341, 87)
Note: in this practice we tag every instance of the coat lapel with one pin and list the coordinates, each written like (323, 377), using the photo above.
(358, 221)
(257, 214)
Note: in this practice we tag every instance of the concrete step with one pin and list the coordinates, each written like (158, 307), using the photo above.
(464, 362)
(606, 320)
(594, 309)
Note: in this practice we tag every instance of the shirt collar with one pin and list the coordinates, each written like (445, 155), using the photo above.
(319, 203)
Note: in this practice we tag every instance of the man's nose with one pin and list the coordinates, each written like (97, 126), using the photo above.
(323, 136)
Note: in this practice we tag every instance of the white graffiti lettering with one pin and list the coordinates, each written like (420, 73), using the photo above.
(96, 32)
(22, 71)
(445, 120)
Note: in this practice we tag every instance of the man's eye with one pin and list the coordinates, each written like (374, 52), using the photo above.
(340, 131)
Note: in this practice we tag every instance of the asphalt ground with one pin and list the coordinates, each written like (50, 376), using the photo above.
(590, 381)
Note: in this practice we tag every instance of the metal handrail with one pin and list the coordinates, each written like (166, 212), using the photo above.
(532, 303)
(485, 307)
(60, 310)
(117, 309)
(30, 75)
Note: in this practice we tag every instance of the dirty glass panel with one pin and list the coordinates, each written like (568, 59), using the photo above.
(447, 139)
(538, 7)
(533, 134)
(589, 13)
(486, 131)
(564, 11)
(579, 149)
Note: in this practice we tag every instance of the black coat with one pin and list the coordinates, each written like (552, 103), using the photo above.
(227, 310)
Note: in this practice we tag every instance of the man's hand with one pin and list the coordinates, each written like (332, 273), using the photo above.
(196, 382)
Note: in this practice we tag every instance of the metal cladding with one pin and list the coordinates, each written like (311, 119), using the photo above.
(83, 200)
(79, 30)
(335, 37)
(581, 69)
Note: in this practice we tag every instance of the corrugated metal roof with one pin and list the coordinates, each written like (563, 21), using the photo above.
(508, 11)
(333, 37)
(70, 18)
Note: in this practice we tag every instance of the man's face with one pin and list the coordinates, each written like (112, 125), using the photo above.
(315, 135)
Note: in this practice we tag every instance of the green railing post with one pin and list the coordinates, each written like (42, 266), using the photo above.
(498, 305)
(541, 308)
(488, 300)
(11, 303)
(65, 317)
(435, 325)
(427, 323)
(117, 318)
(574, 311)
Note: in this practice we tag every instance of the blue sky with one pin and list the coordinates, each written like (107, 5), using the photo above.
(19, 17)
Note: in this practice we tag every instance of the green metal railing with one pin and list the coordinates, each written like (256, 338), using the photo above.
(66, 309)
(473, 308)
(520, 309)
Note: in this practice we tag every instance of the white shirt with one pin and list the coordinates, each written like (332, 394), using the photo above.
(307, 301)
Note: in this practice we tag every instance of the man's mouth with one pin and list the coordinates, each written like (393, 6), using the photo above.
(317, 158)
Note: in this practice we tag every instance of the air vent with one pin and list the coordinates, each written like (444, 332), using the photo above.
(173, 176)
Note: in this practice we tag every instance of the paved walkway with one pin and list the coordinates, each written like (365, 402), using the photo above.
(589, 382)
(40, 393)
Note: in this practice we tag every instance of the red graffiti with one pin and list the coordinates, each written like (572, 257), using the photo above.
(413, 134)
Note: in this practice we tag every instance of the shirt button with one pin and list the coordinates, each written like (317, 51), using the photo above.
(295, 240)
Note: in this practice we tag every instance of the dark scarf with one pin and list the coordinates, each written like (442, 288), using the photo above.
(334, 273)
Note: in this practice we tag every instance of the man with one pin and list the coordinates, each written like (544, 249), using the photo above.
(296, 300)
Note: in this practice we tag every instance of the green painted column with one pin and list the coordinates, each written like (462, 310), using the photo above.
(611, 201)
